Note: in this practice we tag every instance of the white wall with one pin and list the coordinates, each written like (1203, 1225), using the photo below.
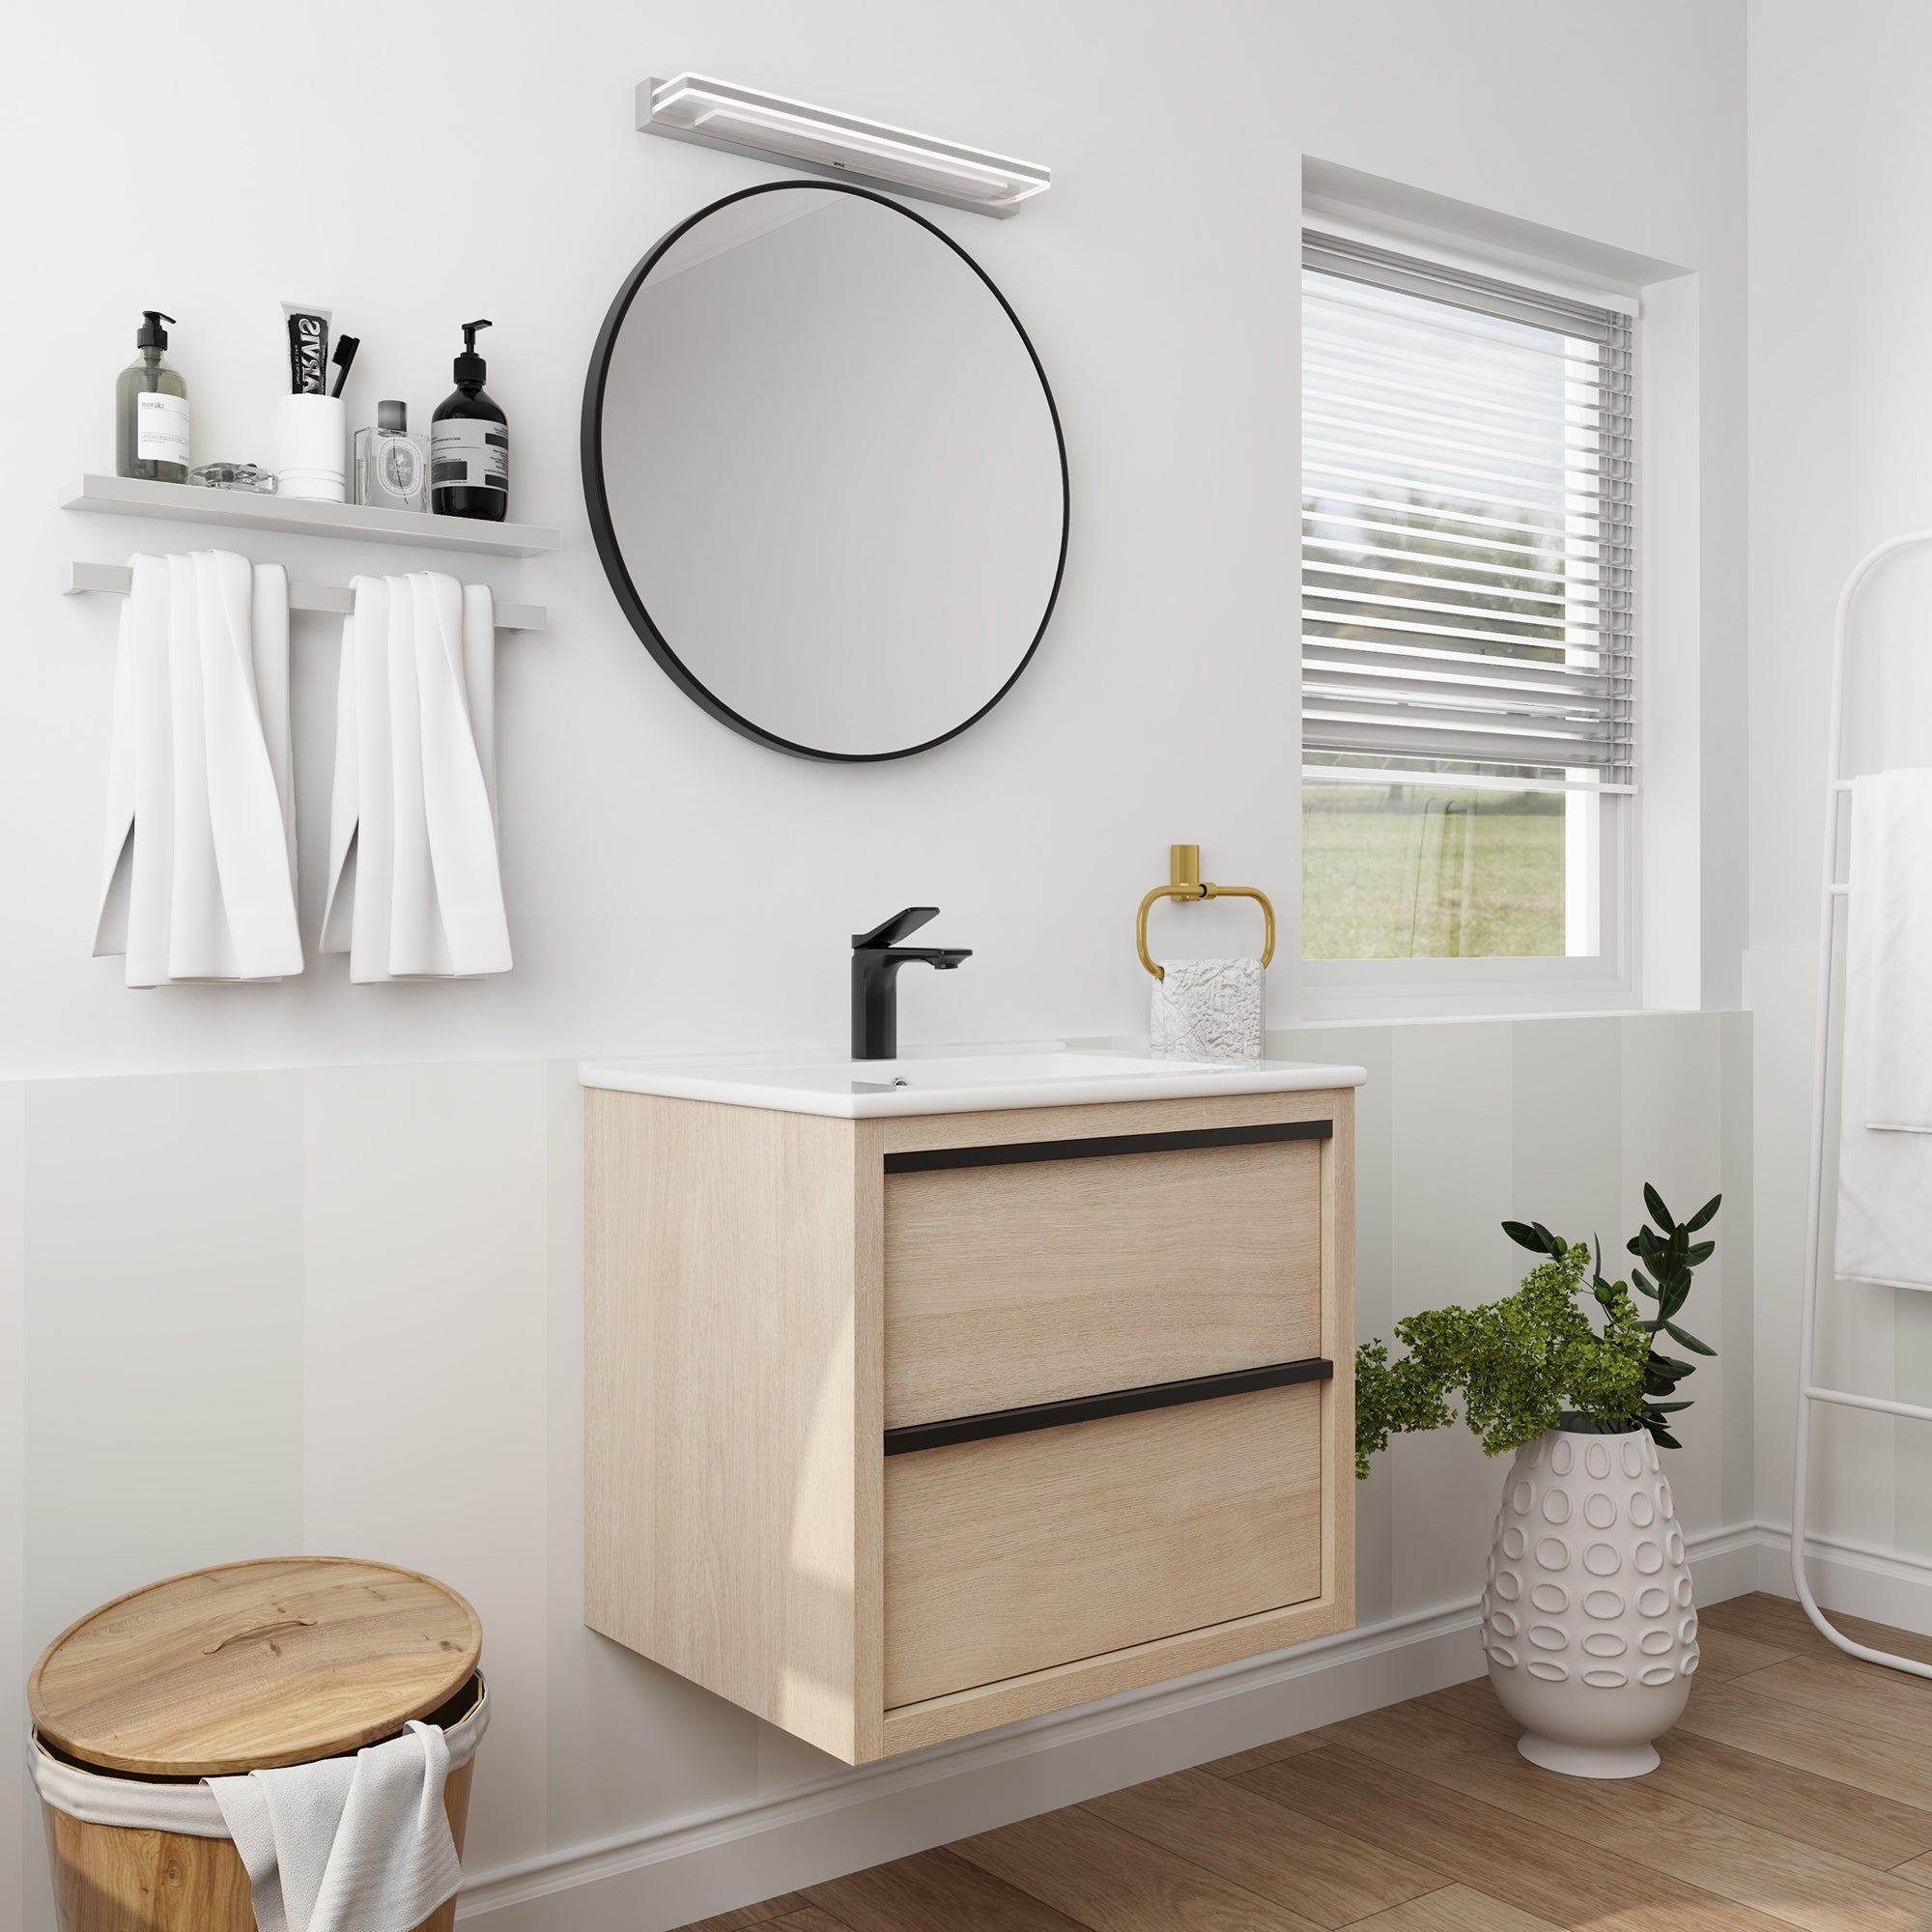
(1841, 417)
(314, 1282)
(673, 885)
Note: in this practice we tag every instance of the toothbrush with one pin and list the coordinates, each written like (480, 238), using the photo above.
(345, 346)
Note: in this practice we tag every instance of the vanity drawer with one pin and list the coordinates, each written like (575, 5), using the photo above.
(1022, 1552)
(1040, 1278)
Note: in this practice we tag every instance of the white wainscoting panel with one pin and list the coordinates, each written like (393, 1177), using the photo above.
(424, 1352)
(339, 1310)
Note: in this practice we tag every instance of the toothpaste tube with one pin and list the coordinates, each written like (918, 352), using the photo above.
(309, 349)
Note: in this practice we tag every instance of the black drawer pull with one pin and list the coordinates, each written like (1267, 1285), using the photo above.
(926, 1160)
(1094, 1407)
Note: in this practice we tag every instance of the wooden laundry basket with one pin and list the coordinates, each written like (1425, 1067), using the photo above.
(245, 1668)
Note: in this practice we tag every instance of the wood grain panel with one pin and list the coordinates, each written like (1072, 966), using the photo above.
(1731, 1857)
(1782, 1624)
(108, 1879)
(934, 1720)
(1114, 1882)
(1456, 1908)
(1722, 1655)
(1815, 1810)
(904, 1133)
(1549, 1874)
(732, 1403)
(1035, 1282)
(1822, 1742)
(250, 1666)
(1887, 1702)
(1025, 1551)
(935, 1892)
(1296, 1861)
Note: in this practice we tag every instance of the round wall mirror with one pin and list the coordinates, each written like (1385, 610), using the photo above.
(825, 472)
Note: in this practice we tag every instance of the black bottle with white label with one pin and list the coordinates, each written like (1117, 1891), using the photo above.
(469, 445)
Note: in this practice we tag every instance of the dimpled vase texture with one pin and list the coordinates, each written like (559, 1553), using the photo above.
(1588, 1619)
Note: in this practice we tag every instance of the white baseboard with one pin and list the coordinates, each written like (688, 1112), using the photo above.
(667, 1875)
(1855, 1578)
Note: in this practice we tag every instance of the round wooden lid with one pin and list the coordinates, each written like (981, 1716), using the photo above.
(251, 1665)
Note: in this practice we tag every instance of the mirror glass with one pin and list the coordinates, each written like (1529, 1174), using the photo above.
(825, 472)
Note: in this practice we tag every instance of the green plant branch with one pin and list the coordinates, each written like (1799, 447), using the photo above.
(1515, 1363)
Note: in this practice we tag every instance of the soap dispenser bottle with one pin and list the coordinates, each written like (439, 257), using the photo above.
(469, 445)
(151, 410)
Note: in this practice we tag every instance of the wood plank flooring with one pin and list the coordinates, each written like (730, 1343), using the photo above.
(1796, 1793)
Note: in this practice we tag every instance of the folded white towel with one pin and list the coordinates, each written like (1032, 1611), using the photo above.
(1206, 1009)
(1885, 1139)
(199, 869)
(357, 1844)
(416, 890)
(1890, 944)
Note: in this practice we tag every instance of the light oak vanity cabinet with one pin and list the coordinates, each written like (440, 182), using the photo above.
(902, 1427)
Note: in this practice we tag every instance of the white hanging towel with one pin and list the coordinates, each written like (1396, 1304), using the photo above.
(348, 1844)
(415, 886)
(1206, 1009)
(1885, 1139)
(198, 876)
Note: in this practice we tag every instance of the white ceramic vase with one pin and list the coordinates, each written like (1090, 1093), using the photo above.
(1587, 1618)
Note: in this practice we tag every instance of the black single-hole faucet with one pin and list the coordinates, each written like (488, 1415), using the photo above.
(876, 958)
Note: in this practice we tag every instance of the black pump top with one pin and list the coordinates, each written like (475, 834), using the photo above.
(150, 335)
(469, 366)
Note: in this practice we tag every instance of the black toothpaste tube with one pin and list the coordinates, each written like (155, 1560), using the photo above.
(309, 349)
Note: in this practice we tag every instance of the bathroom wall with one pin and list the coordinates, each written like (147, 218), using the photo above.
(338, 1310)
(672, 885)
(1841, 417)
(298, 1267)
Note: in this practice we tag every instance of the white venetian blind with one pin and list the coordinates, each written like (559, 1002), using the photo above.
(1467, 526)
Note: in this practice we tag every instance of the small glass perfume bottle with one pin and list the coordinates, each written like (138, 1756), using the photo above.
(391, 466)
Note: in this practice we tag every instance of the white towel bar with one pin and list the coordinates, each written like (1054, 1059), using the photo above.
(117, 579)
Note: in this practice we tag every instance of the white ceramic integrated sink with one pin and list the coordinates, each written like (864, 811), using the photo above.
(954, 1081)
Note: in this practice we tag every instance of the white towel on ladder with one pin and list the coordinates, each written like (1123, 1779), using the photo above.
(1885, 1136)
(198, 876)
(415, 886)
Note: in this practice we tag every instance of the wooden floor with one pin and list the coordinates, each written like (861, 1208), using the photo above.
(1796, 1792)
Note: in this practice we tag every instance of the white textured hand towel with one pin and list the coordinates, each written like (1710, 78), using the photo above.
(198, 878)
(1206, 1009)
(415, 886)
(1885, 1139)
(349, 1844)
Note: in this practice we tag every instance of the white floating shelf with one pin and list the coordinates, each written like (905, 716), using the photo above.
(296, 516)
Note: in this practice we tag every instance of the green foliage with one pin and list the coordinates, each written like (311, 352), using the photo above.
(1671, 1256)
(1516, 1364)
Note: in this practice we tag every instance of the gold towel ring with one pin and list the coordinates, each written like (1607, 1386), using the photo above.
(1187, 882)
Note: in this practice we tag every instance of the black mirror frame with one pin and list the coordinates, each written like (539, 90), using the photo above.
(608, 550)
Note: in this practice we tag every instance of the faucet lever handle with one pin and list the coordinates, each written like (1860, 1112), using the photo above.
(895, 928)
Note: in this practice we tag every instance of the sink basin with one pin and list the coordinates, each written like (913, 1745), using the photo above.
(952, 1080)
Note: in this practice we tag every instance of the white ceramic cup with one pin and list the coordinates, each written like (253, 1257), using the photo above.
(312, 445)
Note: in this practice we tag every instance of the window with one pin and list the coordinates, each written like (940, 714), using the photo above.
(1467, 614)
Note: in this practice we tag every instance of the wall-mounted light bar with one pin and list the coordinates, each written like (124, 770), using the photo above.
(742, 121)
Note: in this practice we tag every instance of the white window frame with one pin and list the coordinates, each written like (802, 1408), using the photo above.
(1603, 838)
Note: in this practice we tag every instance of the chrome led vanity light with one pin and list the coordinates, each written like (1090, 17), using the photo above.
(716, 114)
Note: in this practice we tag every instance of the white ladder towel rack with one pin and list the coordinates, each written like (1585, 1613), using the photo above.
(1838, 787)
